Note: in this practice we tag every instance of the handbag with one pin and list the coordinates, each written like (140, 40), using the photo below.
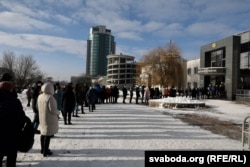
(26, 137)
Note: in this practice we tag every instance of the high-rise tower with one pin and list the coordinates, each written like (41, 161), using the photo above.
(100, 43)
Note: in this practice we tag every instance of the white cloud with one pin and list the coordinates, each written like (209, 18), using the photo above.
(44, 43)
(210, 28)
(19, 22)
(129, 35)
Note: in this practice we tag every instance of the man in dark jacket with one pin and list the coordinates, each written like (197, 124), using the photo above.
(68, 103)
(12, 118)
(35, 91)
(91, 97)
(137, 93)
(125, 93)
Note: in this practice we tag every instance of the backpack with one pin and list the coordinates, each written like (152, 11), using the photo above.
(26, 137)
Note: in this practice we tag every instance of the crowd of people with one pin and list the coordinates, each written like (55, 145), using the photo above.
(49, 101)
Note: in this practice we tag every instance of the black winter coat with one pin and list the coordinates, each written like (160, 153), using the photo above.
(68, 100)
(12, 118)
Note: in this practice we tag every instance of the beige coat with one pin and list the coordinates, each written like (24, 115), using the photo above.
(48, 113)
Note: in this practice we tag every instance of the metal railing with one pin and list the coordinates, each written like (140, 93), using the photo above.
(243, 95)
(246, 134)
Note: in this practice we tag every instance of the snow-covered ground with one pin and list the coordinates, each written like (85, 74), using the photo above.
(116, 135)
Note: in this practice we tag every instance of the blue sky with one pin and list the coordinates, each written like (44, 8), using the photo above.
(54, 32)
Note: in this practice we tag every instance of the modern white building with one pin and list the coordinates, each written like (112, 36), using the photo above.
(121, 70)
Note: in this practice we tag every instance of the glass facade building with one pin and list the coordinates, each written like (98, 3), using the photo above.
(100, 43)
(227, 61)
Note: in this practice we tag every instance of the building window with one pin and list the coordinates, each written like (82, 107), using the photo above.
(196, 70)
(218, 58)
(245, 61)
(195, 85)
(189, 71)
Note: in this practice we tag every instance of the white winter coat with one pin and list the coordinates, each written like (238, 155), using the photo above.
(48, 113)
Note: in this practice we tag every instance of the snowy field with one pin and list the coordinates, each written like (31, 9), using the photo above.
(116, 135)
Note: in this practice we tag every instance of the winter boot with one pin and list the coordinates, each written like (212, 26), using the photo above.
(42, 143)
(46, 150)
(69, 119)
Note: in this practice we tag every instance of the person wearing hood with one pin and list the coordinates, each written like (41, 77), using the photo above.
(12, 117)
(48, 116)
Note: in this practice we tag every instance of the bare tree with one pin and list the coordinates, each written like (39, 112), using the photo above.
(165, 66)
(24, 68)
(8, 60)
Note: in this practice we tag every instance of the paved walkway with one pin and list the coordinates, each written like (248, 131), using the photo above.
(116, 135)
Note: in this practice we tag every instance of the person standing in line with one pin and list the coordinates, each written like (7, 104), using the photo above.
(35, 91)
(82, 95)
(131, 92)
(28, 95)
(12, 118)
(147, 95)
(58, 96)
(76, 93)
(163, 92)
(68, 102)
(137, 93)
(125, 93)
(112, 94)
(79, 96)
(107, 90)
(142, 93)
(116, 93)
(103, 94)
(91, 97)
(48, 117)
(85, 89)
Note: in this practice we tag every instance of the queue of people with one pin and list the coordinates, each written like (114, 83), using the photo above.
(49, 100)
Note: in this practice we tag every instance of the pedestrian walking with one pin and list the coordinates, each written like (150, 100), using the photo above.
(48, 117)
